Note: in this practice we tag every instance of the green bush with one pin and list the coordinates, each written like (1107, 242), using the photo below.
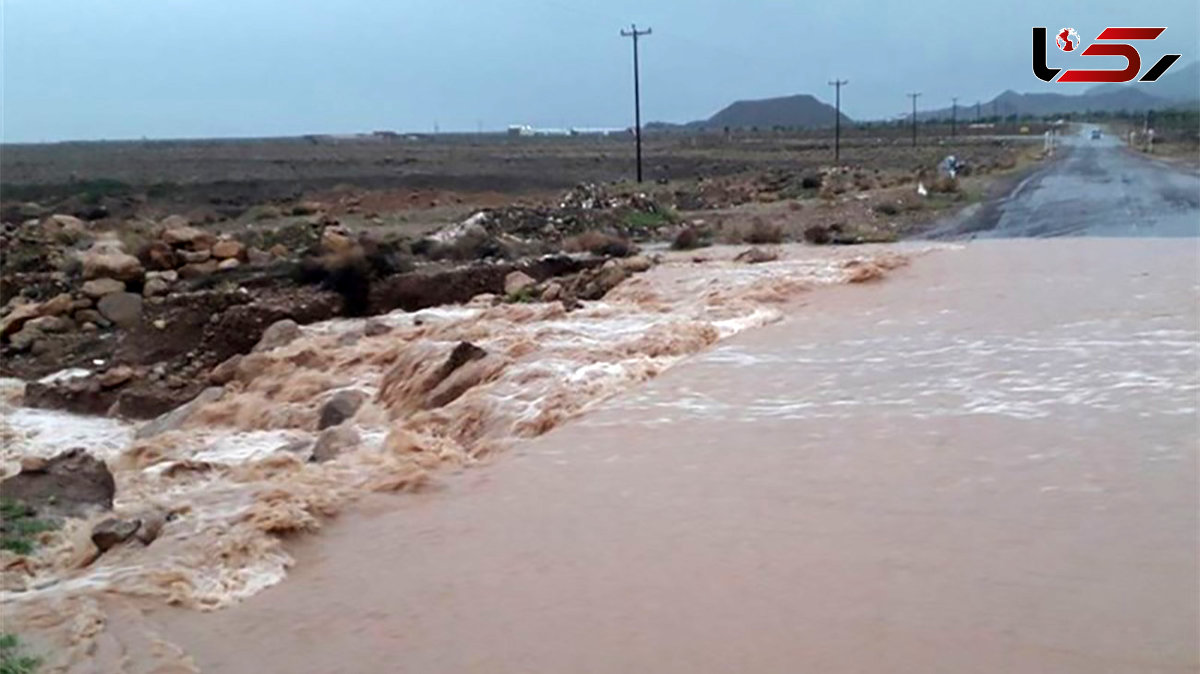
(12, 660)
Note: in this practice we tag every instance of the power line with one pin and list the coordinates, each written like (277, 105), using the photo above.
(914, 96)
(837, 120)
(637, 94)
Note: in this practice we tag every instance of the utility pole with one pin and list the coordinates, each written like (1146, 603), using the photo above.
(637, 94)
(837, 120)
(954, 117)
(914, 96)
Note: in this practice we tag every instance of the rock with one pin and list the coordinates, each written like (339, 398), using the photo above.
(123, 309)
(170, 275)
(18, 316)
(756, 255)
(595, 284)
(230, 263)
(336, 242)
(227, 248)
(24, 339)
(175, 222)
(57, 306)
(174, 419)
(111, 532)
(67, 222)
(375, 328)
(153, 520)
(280, 333)
(155, 287)
(100, 262)
(50, 324)
(463, 379)
(552, 291)
(91, 316)
(278, 250)
(198, 269)
(257, 256)
(32, 209)
(226, 371)
(70, 484)
(333, 441)
(195, 256)
(99, 287)
(189, 238)
(340, 407)
(159, 255)
(516, 282)
(116, 376)
(637, 264)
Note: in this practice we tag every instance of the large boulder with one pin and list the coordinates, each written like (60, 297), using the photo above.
(71, 484)
(123, 309)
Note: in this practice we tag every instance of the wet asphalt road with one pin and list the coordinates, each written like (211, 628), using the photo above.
(1095, 187)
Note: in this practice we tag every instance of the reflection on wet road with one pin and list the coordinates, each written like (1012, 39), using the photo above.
(1095, 187)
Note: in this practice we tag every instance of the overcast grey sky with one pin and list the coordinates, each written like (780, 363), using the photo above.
(87, 69)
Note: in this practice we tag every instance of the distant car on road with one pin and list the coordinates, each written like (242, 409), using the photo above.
(1096, 134)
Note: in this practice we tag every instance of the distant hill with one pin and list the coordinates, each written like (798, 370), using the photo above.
(1107, 98)
(1180, 84)
(799, 111)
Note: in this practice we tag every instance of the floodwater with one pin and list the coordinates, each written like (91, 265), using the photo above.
(987, 463)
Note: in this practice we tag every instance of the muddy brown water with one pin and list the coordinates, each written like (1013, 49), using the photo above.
(985, 464)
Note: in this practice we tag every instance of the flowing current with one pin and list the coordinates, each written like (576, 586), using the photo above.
(986, 463)
(236, 479)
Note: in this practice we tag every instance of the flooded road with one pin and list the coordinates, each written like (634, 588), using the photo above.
(987, 463)
(1093, 187)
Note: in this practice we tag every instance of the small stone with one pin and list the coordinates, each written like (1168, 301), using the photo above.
(516, 282)
(155, 287)
(227, 248)
(198, 269)
(160, 324)
(230, 263)
(553, 291)
(124, 309)
(226, 371)
(334, 441)
(99, 287)
(280, 333)
(340, 407)
(116, 376)
(195, 256)
(278, 250)
(50, 324)
(56, 306)
(112, 532)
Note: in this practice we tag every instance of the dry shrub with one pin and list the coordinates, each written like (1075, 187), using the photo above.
(887, 208)
(599, 243)
(944, 185)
